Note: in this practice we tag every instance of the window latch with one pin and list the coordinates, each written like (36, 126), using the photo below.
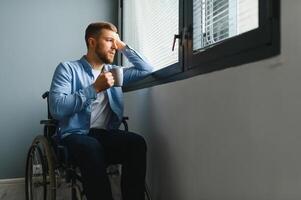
(176, 36)
(182, 36)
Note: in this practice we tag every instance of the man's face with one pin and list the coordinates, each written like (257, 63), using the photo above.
(105, 47)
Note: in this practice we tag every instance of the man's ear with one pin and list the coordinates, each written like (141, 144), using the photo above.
(91, 42)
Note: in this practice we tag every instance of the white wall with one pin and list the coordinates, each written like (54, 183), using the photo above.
(228, 135)
(35, 36)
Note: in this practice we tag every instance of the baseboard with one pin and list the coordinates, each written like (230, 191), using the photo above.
(12, 181)
(12, 189)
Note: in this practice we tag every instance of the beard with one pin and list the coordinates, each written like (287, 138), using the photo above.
(103, 56)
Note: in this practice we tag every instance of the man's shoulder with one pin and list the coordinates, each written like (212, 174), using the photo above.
(69, 65)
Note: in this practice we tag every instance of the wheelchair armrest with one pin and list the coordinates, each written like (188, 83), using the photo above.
(49, 122)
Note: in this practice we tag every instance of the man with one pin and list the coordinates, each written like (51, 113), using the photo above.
(90, 109)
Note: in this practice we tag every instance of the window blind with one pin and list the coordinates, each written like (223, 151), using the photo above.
(217, 20)
(149, 27)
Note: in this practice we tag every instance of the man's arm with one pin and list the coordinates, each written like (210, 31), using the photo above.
(140, 68)
(62, 102)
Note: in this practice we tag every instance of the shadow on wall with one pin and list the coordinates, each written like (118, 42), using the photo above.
(159, 155)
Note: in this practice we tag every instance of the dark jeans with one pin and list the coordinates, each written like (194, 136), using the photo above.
(92, 153)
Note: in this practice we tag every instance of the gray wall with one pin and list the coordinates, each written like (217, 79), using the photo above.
(35, 36)
(228, 135)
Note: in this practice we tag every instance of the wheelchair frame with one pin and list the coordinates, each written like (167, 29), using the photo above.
(47, 165)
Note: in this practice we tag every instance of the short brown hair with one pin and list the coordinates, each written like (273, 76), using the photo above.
(94, 29)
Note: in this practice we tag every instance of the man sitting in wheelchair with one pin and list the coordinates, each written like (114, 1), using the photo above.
(89, 108)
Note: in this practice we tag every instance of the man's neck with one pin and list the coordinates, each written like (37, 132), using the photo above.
(94, 62)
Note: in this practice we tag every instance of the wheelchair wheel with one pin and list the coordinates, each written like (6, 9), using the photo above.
(40, 180)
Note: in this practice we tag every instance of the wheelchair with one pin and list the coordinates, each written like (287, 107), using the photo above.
(48, 168)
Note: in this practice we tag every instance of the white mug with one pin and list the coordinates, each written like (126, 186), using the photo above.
(117, 73)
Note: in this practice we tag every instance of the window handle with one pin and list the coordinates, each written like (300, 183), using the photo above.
(176, 36)
(182, 36)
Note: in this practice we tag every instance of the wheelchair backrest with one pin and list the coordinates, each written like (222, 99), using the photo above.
(46, 95)
(50, 125)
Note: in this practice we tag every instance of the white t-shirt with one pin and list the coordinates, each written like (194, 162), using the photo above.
(101, 110)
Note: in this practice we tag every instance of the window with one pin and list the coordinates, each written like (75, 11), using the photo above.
(148, 27)
(209, 35)
(217, 20)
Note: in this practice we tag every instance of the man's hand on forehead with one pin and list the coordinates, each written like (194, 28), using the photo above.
(120, 44)
(116, 36)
